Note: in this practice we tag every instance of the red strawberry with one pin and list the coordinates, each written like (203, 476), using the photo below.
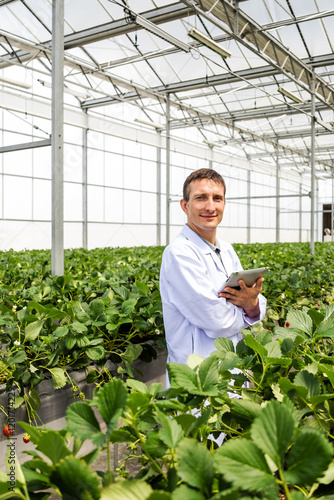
(7, 431)
(287, 324)
(26, 437)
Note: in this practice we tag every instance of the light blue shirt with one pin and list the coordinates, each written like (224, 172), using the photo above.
(191, 277)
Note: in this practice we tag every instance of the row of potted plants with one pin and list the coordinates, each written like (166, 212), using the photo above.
(271, 399)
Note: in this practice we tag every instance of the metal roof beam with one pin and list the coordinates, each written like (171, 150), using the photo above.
(247, 32)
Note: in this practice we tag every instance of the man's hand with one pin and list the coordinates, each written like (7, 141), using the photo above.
(246, 297)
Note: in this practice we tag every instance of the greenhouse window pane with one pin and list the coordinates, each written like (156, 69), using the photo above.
(132, 207)
(17, 197)
(72, 202)
(132, 176)
(95, 167)
(72, 163)
(95, 204)
(114, 170)
(18, 163)
(42, 199)
(113, 205)
(148, 208)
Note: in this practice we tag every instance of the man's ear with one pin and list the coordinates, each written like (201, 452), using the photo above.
(184, 207)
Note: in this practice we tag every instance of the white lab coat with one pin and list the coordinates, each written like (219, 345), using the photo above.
(194, 316)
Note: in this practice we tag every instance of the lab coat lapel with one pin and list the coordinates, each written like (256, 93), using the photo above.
(204, 247)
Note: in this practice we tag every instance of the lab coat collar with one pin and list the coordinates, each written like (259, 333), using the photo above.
(191, 235)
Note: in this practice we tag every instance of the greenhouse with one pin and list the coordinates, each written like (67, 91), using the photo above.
(106, 108)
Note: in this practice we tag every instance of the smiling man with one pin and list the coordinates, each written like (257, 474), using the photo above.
(194, 267)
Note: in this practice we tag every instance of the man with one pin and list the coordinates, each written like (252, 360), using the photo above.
(195, 266)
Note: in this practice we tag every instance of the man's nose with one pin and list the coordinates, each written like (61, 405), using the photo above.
(210, 204)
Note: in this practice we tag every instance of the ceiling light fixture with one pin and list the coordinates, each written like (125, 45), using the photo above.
(212, 143)
(290, 95)
(76, 93)
(150, 124)
(10, 81)
(208, 42)
(153, 28)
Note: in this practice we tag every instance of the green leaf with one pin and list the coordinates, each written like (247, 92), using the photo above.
(75, 479)
(60, 331)
(224, 345)
(182, 376)
(127, 490)
(82, 423)
(111, 401)
(183, 492)
(326, 328)
(32, 330)
(78, 327)
(301, 321)
(128, 306)
(52, 444)
(242, 463)
(171, 432)
(137, 385)
(245, 409)
(58, 377)
(308, 459)
(19, 357)
(144, 289)
(272, 430)
(208, 376)
(251, 342)
(34, 400)
(195, 465)
(95, 353)
(308, 380)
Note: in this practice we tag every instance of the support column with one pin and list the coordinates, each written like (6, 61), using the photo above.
(57, 257)
(278, 187)
(300, 209)
(84, 189)
(332, 207)
(168, 201)
(312, 164)
(248, 206)
(159, 192)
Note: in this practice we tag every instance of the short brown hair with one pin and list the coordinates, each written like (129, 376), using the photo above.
(202, 173)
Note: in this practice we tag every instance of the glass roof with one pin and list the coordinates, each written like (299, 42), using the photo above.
(253, 101)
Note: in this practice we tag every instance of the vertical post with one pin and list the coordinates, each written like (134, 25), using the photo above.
(159, 191)
(248, 205)
(57, 138)
(312, 163)
(332, 207)
(278, 187)
(167, 169)
(84, 189)
(300, 210)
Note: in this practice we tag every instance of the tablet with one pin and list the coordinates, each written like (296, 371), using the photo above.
(249, 277)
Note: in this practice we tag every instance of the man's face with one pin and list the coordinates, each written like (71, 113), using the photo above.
(205, 207)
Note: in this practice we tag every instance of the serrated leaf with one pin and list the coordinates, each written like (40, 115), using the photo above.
(111, 401)
(144, 289)
(195, 465)
(208, 377)
(78, 327)
(182, 376)
(326, 328)
(52, 444)
(128, 306)
(194, 360)
(245, 409)
(308, 380)
(301, 321)
(82, 423)
(224, 345)
(184, 492)
(96, 352)
(242, 460)
(137, 385)
(127, 490)
(308, 459)
(34, 400)
(58, 377)
(171, 432)
(274, 350)
(32, 330)
(251, 342)
(75, 479)
(272, 430)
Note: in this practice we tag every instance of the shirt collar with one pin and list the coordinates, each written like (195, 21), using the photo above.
(214, 247)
